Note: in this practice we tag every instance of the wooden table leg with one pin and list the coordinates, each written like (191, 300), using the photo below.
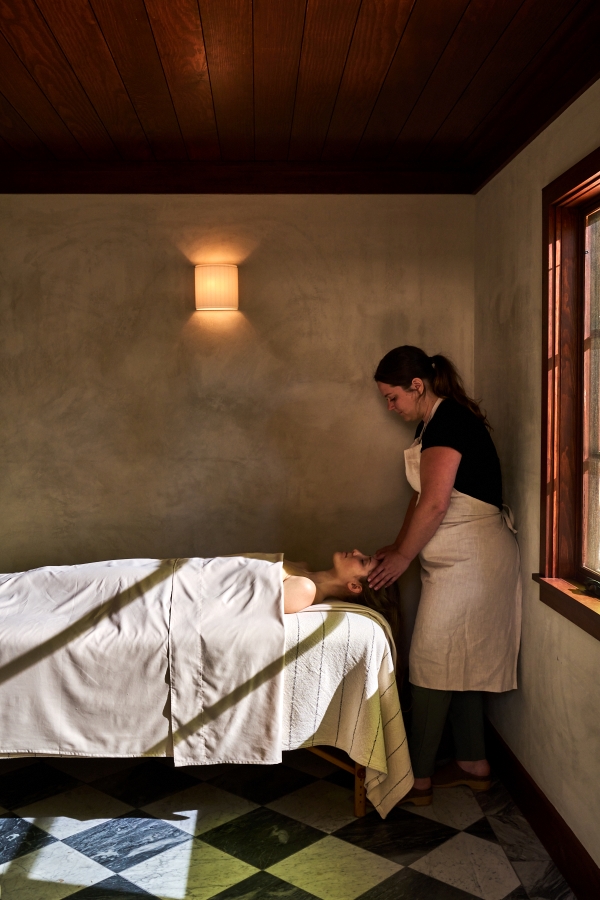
(359, 772)
(360, 795)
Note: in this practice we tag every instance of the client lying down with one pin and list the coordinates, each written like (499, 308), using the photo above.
(187, 658)
(346, 579)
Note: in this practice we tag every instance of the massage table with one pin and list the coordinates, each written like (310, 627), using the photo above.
(193, 659)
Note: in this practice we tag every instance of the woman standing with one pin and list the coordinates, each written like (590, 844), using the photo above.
(467, 630)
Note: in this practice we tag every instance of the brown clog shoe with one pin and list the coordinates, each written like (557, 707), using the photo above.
(418, 797)
(451, 775)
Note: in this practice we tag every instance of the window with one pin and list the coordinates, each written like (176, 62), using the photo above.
(590, 551)
(570, 496)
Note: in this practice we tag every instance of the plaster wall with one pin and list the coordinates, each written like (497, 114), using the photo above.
(552, 721)
(134, 426)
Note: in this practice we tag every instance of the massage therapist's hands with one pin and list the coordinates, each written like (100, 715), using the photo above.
(391, 566)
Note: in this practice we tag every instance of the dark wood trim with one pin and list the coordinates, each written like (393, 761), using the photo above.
(546, 505)
(565, 203)
(225, 178)
(568, 599)
(570, 392)
(562, 394)
(570, 856)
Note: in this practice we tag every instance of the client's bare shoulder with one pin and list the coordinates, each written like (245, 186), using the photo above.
(298, 593)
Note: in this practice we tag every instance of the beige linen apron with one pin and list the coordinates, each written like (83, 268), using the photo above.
(468, 624)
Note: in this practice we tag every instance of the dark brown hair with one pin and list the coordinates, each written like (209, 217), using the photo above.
(401, 365)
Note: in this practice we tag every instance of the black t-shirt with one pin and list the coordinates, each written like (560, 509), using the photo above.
(454, 425)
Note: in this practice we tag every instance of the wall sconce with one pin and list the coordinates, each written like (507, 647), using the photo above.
(217, 287)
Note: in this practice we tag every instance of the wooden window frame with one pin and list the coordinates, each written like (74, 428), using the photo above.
(565, 203)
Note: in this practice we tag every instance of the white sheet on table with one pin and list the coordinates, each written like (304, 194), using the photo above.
(340, 691)
(84, 660)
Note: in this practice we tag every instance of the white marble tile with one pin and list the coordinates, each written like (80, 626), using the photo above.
(73, 811)
(200, 808)
(51, 873)
(456, 807)
(322, 805)
(191, 870)
(334, 870)
(471, 864)
(310, 763)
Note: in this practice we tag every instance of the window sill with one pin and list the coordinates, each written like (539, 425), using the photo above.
(568, 599)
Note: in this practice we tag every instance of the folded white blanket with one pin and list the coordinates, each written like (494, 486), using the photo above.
(340, 691)
(85, 653)
(227, 639)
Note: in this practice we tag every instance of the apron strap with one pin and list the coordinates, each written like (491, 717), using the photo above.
(507, 515)
(419, 440)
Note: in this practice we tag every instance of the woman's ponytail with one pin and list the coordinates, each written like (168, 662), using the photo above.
(446, 382)
(401, 365)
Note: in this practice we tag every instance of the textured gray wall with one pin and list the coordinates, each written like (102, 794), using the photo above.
(552, 721)
(134, 426)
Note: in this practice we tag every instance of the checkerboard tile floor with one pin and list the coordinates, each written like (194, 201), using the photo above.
(100, 829)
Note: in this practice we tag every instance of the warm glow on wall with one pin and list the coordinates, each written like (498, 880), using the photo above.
(217, 287)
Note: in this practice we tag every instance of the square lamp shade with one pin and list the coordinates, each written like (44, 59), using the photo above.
(217, 287)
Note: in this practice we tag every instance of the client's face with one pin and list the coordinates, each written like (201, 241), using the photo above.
(352, 564)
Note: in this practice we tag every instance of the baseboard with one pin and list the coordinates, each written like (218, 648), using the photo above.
(571, 858)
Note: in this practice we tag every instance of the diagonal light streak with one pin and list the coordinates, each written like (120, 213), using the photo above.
(89, 620)
(210, 713)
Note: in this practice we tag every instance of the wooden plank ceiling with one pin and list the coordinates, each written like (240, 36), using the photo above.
(282, 95)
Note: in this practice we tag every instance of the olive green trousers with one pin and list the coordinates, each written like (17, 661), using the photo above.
(430, 708)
